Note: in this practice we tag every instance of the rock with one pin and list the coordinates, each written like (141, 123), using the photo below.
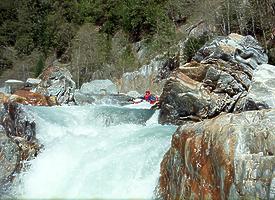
(98, 87)
(17, 142)
(9, 156)
(28, 98)
(261, 94)
(12, 85)
(200, 29)
(56, 81)
(32, 82)
(227, 157)
(217, 80)
(100, 92)
(134, 94)
(83, 99)
(144, 78)
(234, 48)
(114, 99)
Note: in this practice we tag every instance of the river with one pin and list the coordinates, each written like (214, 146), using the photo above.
(90, 154)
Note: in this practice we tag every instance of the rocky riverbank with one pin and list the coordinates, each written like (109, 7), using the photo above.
(214, 155)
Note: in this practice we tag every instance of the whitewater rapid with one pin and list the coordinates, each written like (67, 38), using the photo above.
(85, 158)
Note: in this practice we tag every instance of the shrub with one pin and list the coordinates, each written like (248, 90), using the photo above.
(192, 45)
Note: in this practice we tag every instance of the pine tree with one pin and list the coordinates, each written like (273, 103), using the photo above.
(39, 66)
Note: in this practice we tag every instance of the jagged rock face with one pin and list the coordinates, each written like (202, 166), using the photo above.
(234, 48)
(56, 81)
(18, 141)
(9, 156)
(227, 157)
(216, 82)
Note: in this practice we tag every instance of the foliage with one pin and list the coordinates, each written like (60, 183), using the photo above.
(192, 45)
(39, 66)
(51, 24)
(24, 44)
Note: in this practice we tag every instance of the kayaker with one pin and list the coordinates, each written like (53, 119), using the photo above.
(150, 97)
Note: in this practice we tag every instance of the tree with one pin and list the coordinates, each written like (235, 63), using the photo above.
(39, 66)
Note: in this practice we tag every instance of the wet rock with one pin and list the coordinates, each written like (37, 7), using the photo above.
(217, 80)
(114, 99)
(227, 157)
(12, 85)
(9, 156)
(17, 142)
(83, 99)
(26, 97)
(31, 98)
(56, 81)
(134, 94)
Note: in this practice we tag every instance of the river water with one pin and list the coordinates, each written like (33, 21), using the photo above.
(88, 154)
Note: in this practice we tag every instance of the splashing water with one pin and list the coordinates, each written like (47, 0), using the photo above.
(84, 158)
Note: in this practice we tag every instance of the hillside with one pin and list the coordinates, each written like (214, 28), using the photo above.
(105, 38)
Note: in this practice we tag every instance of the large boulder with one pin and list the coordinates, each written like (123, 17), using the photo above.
(219, 77)
(56, 81)
(100, 92)
(227, 157)
(13, 85)
(244, 50)
(97, 87)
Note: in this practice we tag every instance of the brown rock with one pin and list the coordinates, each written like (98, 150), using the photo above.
(31, 98)
(228, 157)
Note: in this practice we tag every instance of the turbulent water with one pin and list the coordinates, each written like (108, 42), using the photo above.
(85, 156)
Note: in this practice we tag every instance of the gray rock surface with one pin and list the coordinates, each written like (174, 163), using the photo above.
(217, 80)
(99, 87)
(57, 81)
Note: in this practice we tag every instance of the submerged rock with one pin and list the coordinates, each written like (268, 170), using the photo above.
(57, 81)
(227, 157)
(216, 81)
